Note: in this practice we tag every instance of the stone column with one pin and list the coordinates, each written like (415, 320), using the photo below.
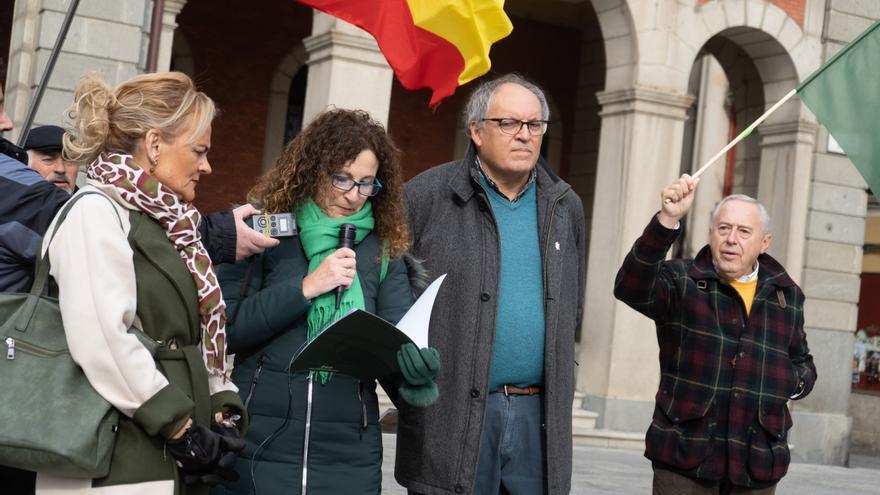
(835, 227)
(166, 40)
(105, 37)
(346, 70)
(639, 153)
(784, 188)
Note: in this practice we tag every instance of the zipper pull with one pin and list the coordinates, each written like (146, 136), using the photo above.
(10, 348)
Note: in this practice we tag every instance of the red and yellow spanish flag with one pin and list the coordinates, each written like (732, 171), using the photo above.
(439, 44)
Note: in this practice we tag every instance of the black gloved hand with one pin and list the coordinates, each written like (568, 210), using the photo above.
(231, 445)
(207, 456)
(197, 450)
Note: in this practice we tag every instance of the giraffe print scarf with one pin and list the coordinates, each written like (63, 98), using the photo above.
(181, 223)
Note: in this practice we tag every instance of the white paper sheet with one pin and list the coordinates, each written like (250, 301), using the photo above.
(416, 321)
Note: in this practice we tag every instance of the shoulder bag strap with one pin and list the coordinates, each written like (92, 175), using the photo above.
(41, 277)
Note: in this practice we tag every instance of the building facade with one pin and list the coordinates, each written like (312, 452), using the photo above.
(640, 91)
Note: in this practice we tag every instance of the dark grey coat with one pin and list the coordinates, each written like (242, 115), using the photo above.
(454, 232)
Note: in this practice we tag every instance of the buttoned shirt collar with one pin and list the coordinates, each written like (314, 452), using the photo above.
(751, 277)
(495, 187)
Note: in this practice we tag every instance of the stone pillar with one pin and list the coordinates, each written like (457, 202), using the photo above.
(166, 40)
(346, 70)
(835, 227)
(784, 188)
(639, 154)
(106, 38)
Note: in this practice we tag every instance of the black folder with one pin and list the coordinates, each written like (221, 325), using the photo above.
(360, 344)
(363, 345)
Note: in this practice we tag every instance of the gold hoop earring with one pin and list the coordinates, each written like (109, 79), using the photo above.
(155, 162)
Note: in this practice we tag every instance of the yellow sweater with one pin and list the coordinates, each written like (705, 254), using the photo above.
(746, 292)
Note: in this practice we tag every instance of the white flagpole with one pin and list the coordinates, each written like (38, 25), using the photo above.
(744, 134)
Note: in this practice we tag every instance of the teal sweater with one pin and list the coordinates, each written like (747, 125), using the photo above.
(518, 352)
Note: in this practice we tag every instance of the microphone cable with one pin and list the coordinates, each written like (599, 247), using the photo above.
(269, 439)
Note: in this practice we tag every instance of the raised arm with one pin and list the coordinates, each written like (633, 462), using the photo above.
(641, 281)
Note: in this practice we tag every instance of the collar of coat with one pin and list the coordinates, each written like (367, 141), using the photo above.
(465, 181)
(770, 271)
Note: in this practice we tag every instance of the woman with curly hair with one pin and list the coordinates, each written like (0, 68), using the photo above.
(318, 432)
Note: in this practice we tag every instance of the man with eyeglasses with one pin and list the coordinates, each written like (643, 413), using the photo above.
(510, 234)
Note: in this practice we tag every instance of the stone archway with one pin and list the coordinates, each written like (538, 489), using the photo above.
(754, 167)
(621, 49)
(182, 59)
(279, 94)
(763, 35)
(651, 48)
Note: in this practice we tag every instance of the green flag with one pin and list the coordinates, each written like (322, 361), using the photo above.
(845, 96)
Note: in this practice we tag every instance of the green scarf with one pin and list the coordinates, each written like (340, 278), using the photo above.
(319, 235)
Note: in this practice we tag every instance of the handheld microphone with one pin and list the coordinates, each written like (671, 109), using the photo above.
(347, 232)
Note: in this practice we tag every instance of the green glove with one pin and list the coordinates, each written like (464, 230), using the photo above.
(419, 368)
(419, 395)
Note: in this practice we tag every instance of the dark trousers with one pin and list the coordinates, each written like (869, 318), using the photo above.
(668, 482)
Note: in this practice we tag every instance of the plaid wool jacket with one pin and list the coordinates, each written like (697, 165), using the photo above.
(721, 408)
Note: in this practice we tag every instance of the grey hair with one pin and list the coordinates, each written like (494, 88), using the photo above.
(478, 104)
(765, 217)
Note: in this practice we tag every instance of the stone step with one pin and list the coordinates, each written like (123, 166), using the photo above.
(583, 424)
(384, 401)
(581, 419)
(609, 438)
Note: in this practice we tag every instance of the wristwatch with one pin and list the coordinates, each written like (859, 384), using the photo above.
(230, 420)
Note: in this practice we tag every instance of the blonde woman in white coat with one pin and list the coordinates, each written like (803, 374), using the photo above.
(131, 255)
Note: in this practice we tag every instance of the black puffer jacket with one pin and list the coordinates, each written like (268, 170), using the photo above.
(345, 449)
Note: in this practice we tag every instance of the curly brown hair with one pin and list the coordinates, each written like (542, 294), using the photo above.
(333, 139)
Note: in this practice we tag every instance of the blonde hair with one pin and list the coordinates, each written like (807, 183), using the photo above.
(107, 120)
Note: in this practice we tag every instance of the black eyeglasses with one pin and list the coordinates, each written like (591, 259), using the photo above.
(513, 126)
(346, 183)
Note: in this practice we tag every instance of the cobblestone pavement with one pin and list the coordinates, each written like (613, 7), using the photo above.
(601, 471)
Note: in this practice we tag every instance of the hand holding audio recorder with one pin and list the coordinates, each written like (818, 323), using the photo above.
(275, 224)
